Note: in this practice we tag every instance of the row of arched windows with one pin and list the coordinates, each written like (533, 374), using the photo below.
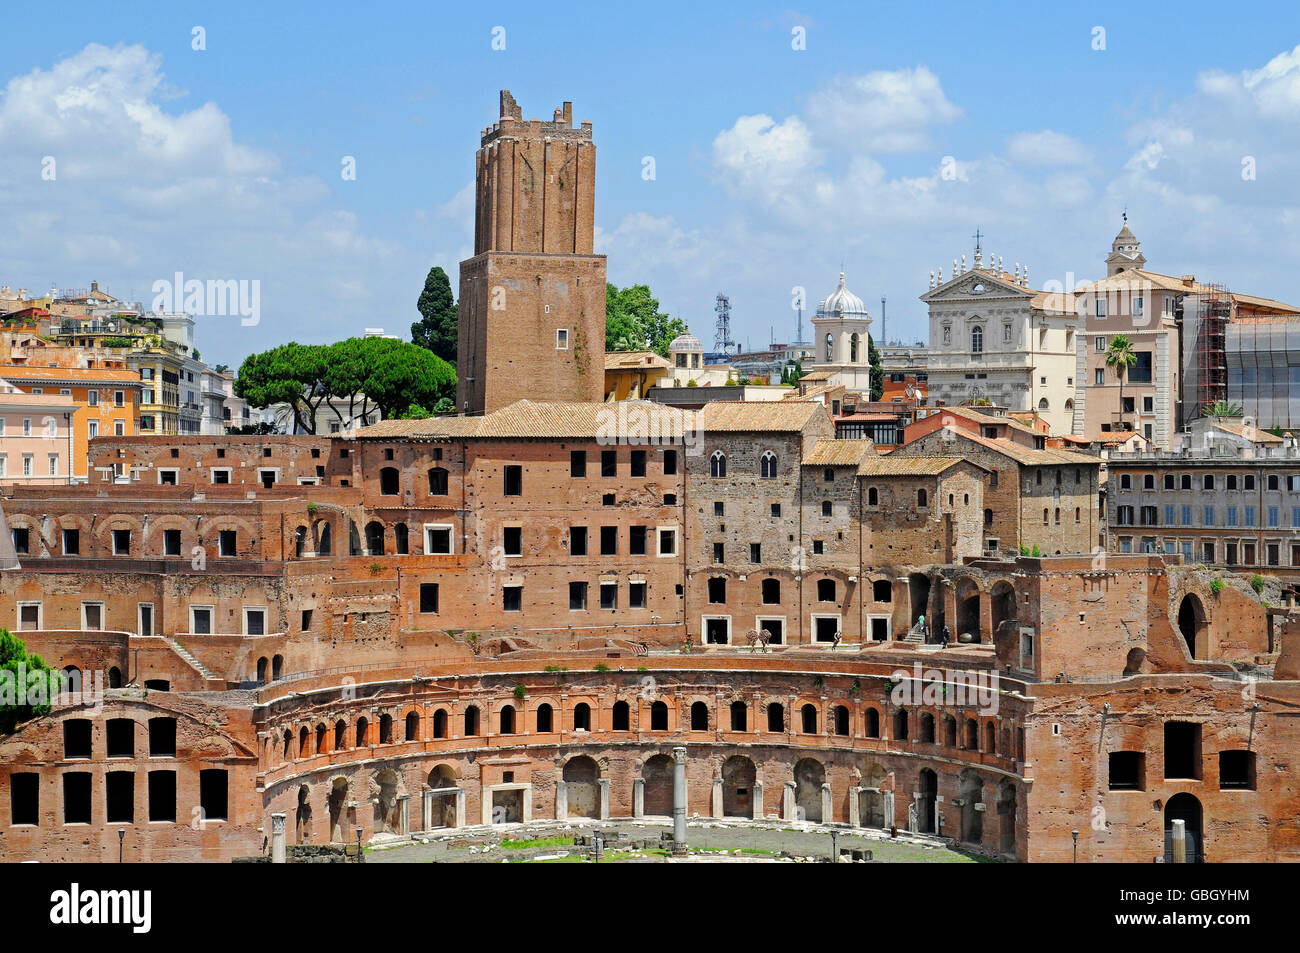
(767, 465)
(508, 722)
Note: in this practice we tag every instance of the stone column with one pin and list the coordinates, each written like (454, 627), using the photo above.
(757, 801)
(528, 804)
(638, 797)
(278, 852)
(787, 802)
(827, 816)
(855, 807)
(404, 814)
(1179, 837)
(460, 807)
(717, 797)
(888, 797)
(604, 798)
(426, 809)
(914, 813)
(679, 800)
(561, 801)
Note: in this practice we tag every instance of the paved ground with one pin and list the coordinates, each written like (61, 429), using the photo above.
(710, 841)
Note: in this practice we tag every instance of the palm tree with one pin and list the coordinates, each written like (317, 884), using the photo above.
(1121, 357)
(1222, 408)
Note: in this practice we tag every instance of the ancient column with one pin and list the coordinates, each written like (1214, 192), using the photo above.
(604, 798)
(404, 814)
(638, 797)
(1180, 841)
(561, 801)
(426, 809)
(788, 809)
(757, 801)
(278, 854)
(855, 807)
(827, 817)
(717, 797)
(679, 800)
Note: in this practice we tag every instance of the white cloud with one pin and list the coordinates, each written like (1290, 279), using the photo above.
(1047, 147)
(881, 111)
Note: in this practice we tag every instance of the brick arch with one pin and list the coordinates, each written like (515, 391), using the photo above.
(209, 527)
(37, 543)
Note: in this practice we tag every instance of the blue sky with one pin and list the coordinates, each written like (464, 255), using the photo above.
(773, 166)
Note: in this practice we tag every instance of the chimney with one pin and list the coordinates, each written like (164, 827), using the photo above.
(94, 286)
(1189, 280)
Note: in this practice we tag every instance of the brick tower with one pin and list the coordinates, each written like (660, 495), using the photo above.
(532, 299)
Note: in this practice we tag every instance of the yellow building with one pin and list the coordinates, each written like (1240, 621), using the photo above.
(629, 374)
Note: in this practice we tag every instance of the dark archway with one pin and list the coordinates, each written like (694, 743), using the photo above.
(968, 610)
(374, 538)
(809, 776)
(918, 585)
(338, 800)
(926, 809)
(1193, 626)
(1186, 808)
(1007, 818)
(658, 776)
(738, 778)
(1002, 601)
(581, 775)
(972, 820)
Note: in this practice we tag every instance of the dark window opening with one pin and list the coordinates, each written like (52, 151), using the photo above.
(76, 797)
(162, 796)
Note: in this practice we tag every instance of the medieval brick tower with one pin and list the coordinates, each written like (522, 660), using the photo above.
(532, 299)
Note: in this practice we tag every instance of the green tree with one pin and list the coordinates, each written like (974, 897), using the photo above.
(438, 326)
(1222, 408)
(1121, 357)
(290, 374)
(877, 372)
(633, 321)
(385, 374)
(13, 652)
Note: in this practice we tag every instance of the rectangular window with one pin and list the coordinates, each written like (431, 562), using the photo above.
(1248, 481)
(512, 598)
(71, 542)
(162, 796)
(1169, 514)
(514, 481)
(1207, 517)
(1250, 516)
(29, 616)
(577, 540)
(1099, 344)
(119, 802)
(670, 462)
(24, 798)
(76, 797)
(638, 463)
(1232, 516)
(577, 596)
(609, 595)
(577, 463)
(214, 794)
(437, 539)
(226, 542)
(636, 540)
(428, 597)
(755, 552)
(667, 542)
(719, 553)
(201, 620)
(1274, 517)
(92, 616)
(1099, 376)
(171, 542)
(636, 595)
(254, 621)
(609, 540)
(22, 540)
(561, 339)
(121, 542)
(609, 463)
(1185, 515)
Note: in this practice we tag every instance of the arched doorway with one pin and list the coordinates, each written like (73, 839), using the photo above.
(918, 586)
(929, 793)
(442, 782)
(374, 538)
(809, 776)
(338, 800)
(738, 778)
(1002, 600)
(581, 775)
(658, 791)
(1192, 624)
(871, 800)
(1186, 808)
(387, 820)
(1007, 818)
(968, 610)
(302, 816)
(972, 820)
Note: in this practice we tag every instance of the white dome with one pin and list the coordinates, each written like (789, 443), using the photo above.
(842, 303)
(686, 341)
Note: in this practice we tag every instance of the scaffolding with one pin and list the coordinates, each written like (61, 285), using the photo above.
(722, 343)
(1213, 311)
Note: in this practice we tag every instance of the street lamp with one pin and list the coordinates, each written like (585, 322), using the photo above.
(1075, 834)
(121, 836)
(358, 844)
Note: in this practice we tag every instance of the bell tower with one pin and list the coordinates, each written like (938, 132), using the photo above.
(1125, 252)
(532, 299)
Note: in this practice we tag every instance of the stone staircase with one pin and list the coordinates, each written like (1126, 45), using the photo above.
(915, 635)
(186, 654)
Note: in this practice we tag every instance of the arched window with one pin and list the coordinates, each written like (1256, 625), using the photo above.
(988, 517)
(659, 716)
(1069, 404)
(508, 720)
(853, 349)
(362, 726)
(808, 716)
(872, 723)
(873, 496)
(375, 538)
(830, 347)
(771, 591)
(401, 539)
(385, 729)
(471, 721)
(739, 716)
(977, 340)
(1042, 404)
(412, 726)
(440, 723)
(622, 716)
(767, 465)
(582, 717)
(388, 482)
(921, 498)
(718, 464)
(299, 541)
(437, 482)
(775, 717)
(699, 717)
(545, 717)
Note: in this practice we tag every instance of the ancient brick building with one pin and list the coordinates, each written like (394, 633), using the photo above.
(532, 299)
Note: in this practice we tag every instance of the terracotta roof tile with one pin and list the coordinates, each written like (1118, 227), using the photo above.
(839, 453)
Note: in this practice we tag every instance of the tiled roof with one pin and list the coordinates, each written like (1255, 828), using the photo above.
(1029, 457)
(758, 415)
(1254, 436)
(980, 417)
(77, 375)
(618, 360)
(839, 453)
(526, 418)
(891, 464)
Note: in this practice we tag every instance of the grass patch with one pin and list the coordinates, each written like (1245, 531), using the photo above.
(537, 842)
